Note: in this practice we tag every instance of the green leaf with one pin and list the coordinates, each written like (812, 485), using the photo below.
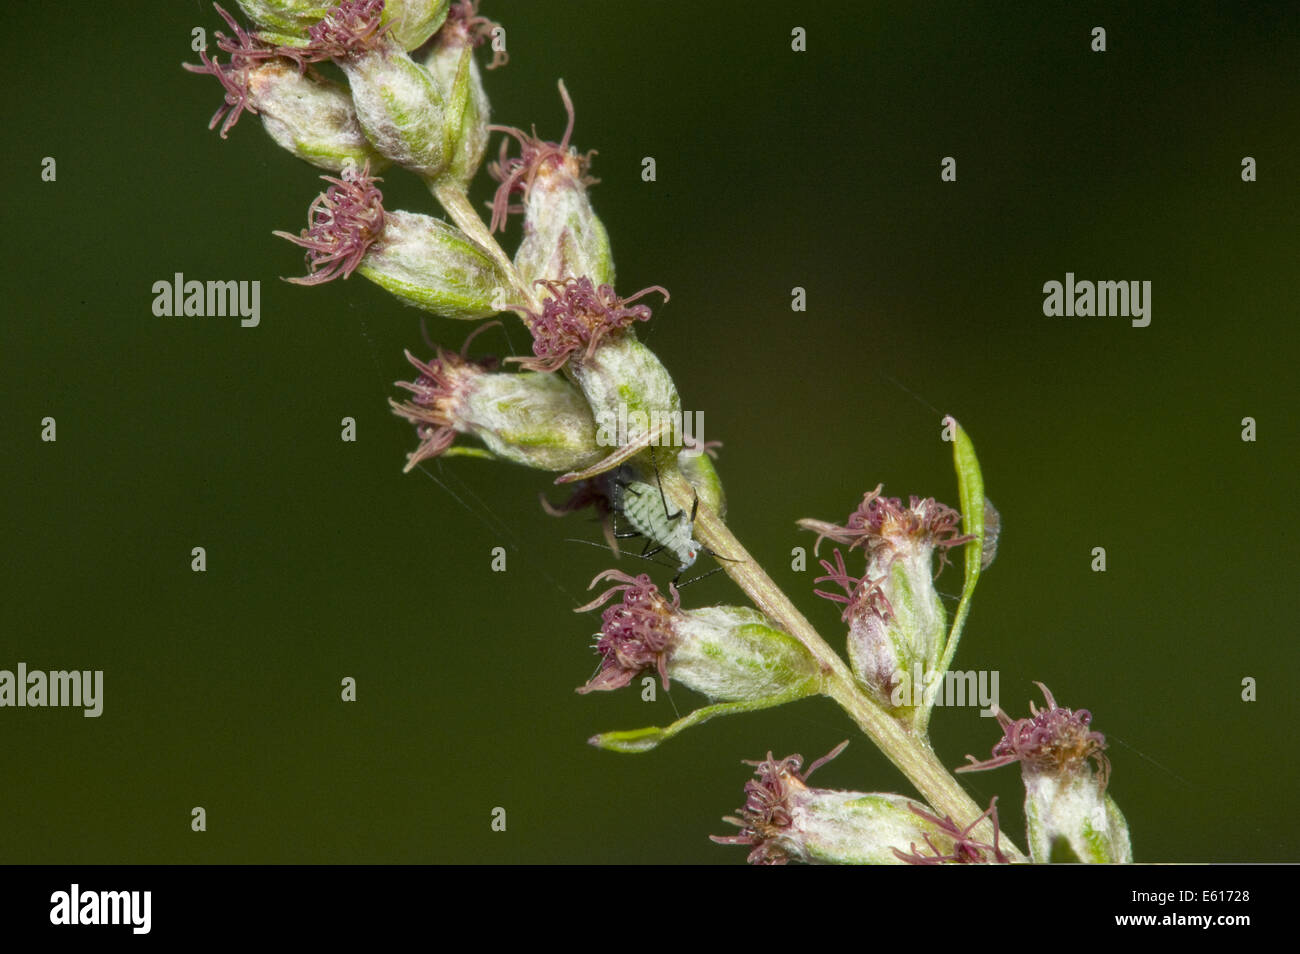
(643, 740)
(970, 488)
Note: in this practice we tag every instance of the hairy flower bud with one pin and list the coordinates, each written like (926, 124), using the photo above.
(1069, 815)
(434, 266)
(535, 419)
(563, 237)
(575, 318)
(421, 260)
(408, 23)
(400, 109)
(247, 53)
(897, 622)
(624, 374)
(724, 652)
(785, 820)
(397, 102)
(589, 329)
(310, 116)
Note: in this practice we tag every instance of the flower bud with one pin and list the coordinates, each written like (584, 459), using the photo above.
(409, 23)
(434, 266)
(897, 622)
(310, 116)
(563, 238)
(724, 652)
(785, 820)
(400, 110)
(248, 53)
(421, 260)
(397, 102)
(535, 419)
(1068, 813)
(624, 372)
(342, 223)
(589, 329)
(451, 64)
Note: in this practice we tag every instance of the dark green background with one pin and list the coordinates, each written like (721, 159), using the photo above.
(775, 169)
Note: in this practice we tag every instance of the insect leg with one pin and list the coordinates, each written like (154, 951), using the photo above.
(660, 484)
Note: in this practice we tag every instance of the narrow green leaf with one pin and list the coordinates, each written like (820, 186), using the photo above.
(970, 488)
(643, 740)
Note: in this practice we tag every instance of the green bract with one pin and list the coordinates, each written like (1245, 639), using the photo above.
(699, 471)
(454, 69)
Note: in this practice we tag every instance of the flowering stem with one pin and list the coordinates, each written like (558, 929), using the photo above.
(911, 753)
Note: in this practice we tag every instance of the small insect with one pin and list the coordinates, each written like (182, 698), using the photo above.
(992, 530)
(646, 508)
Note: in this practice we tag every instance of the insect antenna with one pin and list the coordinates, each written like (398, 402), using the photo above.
(703, 576)
(635, 556)
(651, 559)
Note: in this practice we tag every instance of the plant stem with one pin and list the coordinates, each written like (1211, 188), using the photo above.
(457, 205)
(911, 753)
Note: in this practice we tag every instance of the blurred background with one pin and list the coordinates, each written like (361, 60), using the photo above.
(775, 169)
